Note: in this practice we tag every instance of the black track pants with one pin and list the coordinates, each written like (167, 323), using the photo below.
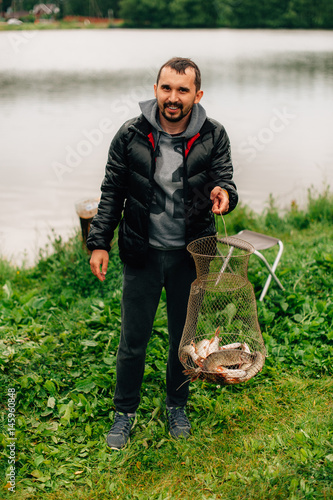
(142, 289)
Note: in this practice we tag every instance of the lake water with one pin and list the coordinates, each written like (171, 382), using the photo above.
(63, 95)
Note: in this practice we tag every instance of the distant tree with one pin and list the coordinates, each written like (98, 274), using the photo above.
(169, 14)
(309, 14)
(306, 14)
(224, 12)
(5, 5)
(109, 7)
(145, 13)
(93, 8)
(258, 14)
(192, 14)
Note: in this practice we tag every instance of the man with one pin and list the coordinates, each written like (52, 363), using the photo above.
(168, 172)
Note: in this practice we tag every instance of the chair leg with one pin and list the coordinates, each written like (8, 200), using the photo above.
(264, 290)
(271, 270)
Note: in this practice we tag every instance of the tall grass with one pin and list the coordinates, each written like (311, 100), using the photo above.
(319, 210)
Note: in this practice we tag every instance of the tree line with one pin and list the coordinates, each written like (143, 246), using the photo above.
(302, 14)
(306, 14)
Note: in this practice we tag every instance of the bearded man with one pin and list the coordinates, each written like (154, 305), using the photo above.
(169, 171)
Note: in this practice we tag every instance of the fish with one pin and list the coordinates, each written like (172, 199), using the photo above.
(226, 364)
(226, 358)
(219, 369)
(207, 346)
(201, 348)
(236, 345)
(190, 350)
(214, 342)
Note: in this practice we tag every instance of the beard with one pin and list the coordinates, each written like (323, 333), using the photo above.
(177, 118)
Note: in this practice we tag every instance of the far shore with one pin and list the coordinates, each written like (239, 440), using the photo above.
(71, 22)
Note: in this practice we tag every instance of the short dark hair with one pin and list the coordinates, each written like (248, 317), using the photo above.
(180, 64)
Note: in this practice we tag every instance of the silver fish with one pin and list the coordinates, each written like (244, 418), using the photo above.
(236, 345)
(225, 358)
(250, 365)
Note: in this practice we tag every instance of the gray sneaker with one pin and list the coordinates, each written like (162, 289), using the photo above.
(179, 424)
(120, 431)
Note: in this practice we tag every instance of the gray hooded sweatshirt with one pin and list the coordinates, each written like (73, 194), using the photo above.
(167, 221)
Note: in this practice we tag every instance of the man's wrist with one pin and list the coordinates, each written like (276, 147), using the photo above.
(225, 192)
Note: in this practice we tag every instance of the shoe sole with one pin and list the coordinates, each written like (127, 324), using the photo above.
(180, 437)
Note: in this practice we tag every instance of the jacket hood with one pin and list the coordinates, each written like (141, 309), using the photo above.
(150, 112)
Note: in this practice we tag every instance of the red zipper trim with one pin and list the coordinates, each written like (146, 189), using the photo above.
(151, 139)
(190, 143)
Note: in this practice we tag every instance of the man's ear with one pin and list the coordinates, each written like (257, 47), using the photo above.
(198, 96)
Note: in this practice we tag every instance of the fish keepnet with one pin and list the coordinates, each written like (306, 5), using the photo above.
(221, 341)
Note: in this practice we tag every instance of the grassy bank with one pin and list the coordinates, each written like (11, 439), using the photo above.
(63, 25)
(271, 437)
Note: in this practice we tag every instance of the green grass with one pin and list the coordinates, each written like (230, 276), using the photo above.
(58, 25)
(269, 438)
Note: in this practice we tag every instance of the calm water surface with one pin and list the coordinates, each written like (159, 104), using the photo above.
(63, 95)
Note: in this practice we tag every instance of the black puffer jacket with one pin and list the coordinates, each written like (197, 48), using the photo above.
(127, 189)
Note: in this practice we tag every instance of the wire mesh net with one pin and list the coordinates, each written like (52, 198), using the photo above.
(221, 340)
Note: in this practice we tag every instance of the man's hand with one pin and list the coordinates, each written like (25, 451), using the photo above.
(99, 263)
(220, 200)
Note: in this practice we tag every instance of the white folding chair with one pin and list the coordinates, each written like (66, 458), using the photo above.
(263, 242)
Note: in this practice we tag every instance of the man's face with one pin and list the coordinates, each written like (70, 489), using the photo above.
(176, 94)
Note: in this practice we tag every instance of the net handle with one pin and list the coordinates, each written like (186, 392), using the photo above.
(225, 229)
(230, 250)
(224, 224)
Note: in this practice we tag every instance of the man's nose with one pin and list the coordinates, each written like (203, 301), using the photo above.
(174, 96)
